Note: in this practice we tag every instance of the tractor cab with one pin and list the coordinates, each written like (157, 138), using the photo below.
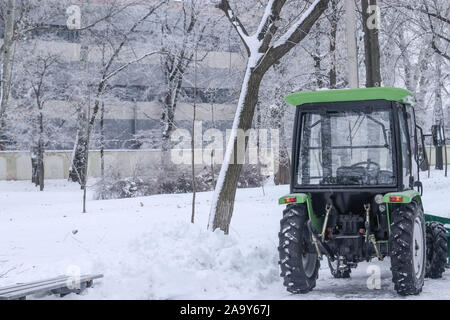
(351, 145)
(355, 190)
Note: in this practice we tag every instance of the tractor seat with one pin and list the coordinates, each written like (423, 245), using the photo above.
(386, 177)
(357, 175)
(351, 175)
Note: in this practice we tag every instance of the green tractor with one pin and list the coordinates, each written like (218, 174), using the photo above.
(356, 192)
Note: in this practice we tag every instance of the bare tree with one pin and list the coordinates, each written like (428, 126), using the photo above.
(78, 167)
(6, 59)
(264, 48)
(21, 18)
(38, 79)
(194, 109)
(180, 35)
(436, 23)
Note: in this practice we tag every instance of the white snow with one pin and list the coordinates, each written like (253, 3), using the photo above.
(148, 249)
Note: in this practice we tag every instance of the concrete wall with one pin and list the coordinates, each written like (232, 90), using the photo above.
(17, 165)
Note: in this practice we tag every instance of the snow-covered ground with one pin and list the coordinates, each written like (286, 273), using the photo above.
(148, 249)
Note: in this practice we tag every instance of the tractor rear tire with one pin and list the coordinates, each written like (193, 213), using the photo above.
(338, 274)
(298, 260)
(407, 244)
(436, 250)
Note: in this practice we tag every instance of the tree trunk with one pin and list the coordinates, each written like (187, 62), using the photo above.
(77, 168)
(89, 125)
(243, 120)
(40, 164)
(194, 185)
(167, 121)
(102, 150)
(438, 112)
(283, 170)
(257, 127)
(333, 37)
(421, 85)
(7, 53)
(283, 174)
(317, 57)
(37, 155)
(169, 107)
(102, 141)
(34, 166)
(406, 59)
(352, 49)
(373, 67)
(41, 150)
(213, 182)
(371, 45)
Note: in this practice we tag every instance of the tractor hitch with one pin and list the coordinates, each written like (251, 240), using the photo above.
(321, 247)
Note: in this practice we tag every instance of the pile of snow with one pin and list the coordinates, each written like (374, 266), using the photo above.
(148, 249)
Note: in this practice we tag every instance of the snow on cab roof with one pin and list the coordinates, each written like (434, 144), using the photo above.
(343, 95)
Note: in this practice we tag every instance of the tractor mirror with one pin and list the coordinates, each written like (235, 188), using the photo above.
(422, 153)
(437, 132)
(419, 186)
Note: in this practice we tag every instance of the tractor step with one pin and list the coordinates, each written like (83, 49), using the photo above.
(61, 285)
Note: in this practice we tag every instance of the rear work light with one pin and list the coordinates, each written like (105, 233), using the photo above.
(290, 200)
(396, 199)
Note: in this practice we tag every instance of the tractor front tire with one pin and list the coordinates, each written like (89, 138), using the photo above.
(298, 260)
(407, 245)
(436, 250)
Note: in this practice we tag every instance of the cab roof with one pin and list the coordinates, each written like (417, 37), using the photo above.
(344, 95)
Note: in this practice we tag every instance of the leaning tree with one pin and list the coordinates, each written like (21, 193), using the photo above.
(265, 47)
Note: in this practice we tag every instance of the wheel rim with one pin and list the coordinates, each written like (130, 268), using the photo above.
(309, 263)
(418, 247)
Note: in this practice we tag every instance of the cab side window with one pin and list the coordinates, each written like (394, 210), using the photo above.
(405, 148)
(413, 142)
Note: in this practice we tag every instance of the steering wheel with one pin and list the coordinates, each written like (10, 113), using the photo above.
(368, 164)
(372, 173)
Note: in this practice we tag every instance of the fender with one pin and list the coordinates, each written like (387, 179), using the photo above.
(402, 197)
(299, 198)
(393, 198)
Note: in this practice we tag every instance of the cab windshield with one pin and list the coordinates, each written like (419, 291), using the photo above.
(346, 148)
